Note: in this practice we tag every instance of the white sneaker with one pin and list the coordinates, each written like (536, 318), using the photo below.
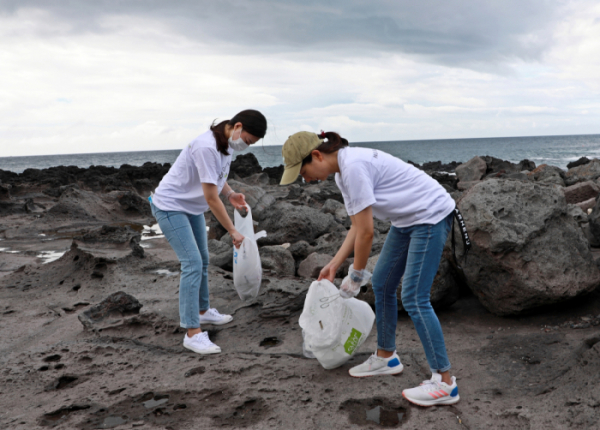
(378, 366)
(200, 343)
(212, 316)
(433, 392)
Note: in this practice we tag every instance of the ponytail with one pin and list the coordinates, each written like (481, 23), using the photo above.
(334, 142)
(219, 134)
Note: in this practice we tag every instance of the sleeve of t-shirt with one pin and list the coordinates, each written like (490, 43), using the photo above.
(358, 183)
(208, 163)
(342, 187)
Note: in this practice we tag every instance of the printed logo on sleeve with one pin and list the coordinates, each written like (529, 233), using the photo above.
(224, 172)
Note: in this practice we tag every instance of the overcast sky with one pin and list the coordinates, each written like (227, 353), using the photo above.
(129, 75)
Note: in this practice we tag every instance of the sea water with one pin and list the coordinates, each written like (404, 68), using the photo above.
(554, 150)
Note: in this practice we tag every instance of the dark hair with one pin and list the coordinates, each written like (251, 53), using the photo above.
(334, 143)
(252, 121)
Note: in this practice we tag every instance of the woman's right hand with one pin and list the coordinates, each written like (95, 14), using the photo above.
(328, 272)
(237, 238)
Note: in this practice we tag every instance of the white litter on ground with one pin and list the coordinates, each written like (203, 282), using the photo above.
(152, 232)
(166, 272)
(50, 256)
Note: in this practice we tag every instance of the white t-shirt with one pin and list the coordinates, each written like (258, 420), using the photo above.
(396, 191)
(199, 162)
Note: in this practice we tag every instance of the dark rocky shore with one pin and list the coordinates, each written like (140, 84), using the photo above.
(92, 339)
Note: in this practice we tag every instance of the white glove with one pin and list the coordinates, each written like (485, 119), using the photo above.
(351, 284)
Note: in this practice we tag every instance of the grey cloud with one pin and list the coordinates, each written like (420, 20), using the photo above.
(456, 33)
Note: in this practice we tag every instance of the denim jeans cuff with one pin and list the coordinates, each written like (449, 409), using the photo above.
(392, 349)
(182, 325)
(445, 369)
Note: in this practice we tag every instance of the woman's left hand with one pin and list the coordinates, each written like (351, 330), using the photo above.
(238, 200)
(328, 272)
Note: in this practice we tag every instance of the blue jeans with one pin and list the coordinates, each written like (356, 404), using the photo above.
(187, 236)
(415, 253)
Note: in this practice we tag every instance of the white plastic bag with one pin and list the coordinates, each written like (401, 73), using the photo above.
(333, 328)
(306, 352)
(247, 270)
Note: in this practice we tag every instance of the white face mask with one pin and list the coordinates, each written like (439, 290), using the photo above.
(237, 144)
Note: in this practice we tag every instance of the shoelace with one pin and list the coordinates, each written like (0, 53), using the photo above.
(430, 385)
(214, 312)
(372, 359)
(204, 340)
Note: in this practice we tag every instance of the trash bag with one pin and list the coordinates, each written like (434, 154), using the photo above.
(247, 270)
(333, 328)
(305, 352)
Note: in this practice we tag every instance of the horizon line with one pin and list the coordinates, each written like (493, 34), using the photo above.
(353, 142)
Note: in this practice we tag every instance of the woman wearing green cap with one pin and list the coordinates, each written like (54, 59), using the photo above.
(190, 188)
(376, 184)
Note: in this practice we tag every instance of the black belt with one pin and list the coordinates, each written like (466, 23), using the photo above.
(465, 236)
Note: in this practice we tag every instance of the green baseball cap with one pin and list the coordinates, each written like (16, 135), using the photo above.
(295, 149)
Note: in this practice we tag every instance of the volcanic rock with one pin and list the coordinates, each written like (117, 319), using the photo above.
(12, 208)
(94, 178)
(581, 191)
(594, 219)
(220, 254)
(258, 179)
(256, 197)
(245, 165)
(585, 172)
(497, 166)
(472, 170)
(115, 306)
(330, 243)
(277, 259)
(5, 192)
(547, 175)
(594, 242)
(450, 182)
(300, 250)
(578, 214)
(587, 204)
(527, 251)
(580, 162)
(274, 173)
(517, 176)
(312, 265)
(78, 204)
(110, 234)
(438, 166)
(287, 223)
(335, 208)
(316, 194)
(133, 203)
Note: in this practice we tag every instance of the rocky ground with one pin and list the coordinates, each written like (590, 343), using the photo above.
(89, 307)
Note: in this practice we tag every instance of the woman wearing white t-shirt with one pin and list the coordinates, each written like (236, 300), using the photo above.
(190, 188)
(376, 184)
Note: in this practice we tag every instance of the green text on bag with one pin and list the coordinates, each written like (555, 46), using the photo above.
(352, 341)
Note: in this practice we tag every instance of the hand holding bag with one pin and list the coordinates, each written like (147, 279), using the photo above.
(247, 269)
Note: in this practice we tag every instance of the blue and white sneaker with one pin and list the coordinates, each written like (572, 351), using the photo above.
(378, 366)
(433, 392)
